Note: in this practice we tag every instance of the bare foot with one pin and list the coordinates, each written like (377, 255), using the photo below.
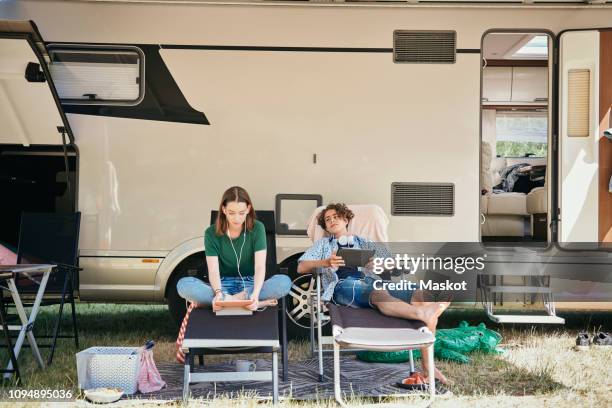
(268, 302)
(437, 375)
(429, 313)
(255, 305)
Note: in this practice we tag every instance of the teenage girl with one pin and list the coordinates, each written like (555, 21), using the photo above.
(235, 247)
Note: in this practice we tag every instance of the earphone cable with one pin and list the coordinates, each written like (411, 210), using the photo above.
(238, 258)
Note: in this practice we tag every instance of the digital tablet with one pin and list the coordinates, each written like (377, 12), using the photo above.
(355, 257)
(233, 303)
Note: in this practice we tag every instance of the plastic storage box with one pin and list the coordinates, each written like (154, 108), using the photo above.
(115, 367)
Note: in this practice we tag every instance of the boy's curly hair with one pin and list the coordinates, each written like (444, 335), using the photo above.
(341, 209)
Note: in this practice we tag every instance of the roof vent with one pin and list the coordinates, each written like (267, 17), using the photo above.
(422, 199)
(424, 47)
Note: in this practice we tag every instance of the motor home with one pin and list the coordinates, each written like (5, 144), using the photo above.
(139, 114)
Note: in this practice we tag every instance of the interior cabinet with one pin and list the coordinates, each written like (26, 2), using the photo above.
(496, 84)
(529, 84)
(518, 85)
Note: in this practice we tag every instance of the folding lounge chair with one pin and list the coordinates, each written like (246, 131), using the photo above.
(364, 329)
(256, 333)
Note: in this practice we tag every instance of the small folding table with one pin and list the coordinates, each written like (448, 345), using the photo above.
(8, 273)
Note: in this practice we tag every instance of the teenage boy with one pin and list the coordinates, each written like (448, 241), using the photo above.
(350, 287)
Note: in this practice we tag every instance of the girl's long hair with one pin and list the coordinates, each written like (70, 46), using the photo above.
(239, 195)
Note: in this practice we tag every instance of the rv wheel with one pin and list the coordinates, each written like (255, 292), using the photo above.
(298, 301)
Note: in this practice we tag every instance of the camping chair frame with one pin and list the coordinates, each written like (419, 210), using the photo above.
(282, 310)
(266, 346)
(339, 346)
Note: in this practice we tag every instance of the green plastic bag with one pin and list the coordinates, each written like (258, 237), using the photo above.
(451, 344)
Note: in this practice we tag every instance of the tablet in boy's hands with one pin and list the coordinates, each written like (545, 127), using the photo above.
(355, 257)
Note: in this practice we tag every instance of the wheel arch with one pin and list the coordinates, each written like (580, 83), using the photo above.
(183, 252)
(290, 259)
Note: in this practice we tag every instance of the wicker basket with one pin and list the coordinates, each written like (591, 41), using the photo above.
(114, 367)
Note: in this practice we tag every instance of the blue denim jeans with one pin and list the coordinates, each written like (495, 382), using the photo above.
(194, 290)
(355, 292)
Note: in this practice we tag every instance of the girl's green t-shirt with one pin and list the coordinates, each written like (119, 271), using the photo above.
(221, 247)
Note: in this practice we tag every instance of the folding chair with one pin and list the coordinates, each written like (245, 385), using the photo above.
(363, 329)
(9, 274)
(53, 239)
(4, 277)
(262, 332)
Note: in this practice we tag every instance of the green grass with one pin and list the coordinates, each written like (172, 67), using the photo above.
(99, 325)
(539, 368)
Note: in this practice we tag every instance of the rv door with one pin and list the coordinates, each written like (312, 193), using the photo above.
(584, 154)
(30, 111)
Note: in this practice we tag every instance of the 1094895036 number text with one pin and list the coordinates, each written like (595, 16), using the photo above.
(37, 394)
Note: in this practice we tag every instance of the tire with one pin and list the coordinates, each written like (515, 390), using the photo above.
(194, 265)
(298, 301)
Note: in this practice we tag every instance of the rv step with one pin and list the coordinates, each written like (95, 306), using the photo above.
(518, 289)
(527, 319)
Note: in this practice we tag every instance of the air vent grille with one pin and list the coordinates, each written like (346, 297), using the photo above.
(424, 47)
(422, 199)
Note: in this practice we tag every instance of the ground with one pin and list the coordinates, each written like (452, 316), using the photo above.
(540, 367)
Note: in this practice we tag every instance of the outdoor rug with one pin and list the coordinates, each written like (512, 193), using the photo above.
(358, 378)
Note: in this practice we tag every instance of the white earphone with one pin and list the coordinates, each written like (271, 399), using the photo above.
(238, 257)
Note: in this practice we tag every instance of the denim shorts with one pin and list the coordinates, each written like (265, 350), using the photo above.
(355, 292)
(194, 290)
(234, 284)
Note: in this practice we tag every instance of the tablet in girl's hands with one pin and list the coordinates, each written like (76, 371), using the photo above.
(232, 307)
(233, 303)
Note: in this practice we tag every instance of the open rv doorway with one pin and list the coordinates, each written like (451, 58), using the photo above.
(38, 161)
(515, 149)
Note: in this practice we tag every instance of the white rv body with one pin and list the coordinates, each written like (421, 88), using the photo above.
(146, 187)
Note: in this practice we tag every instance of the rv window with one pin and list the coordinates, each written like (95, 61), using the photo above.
(97, 75)
(293, 212)
(520, 134)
